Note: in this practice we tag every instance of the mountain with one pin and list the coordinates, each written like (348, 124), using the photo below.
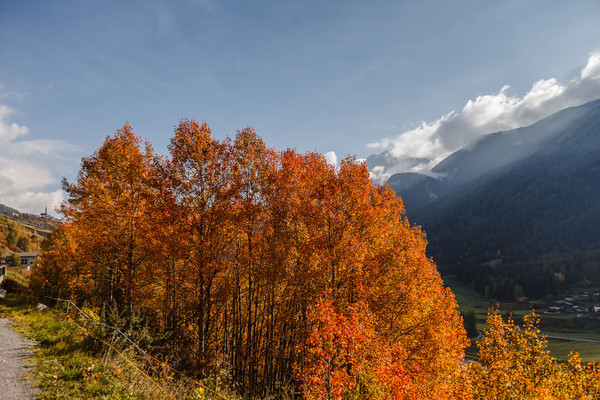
(491, 153)
(520, 207)
(417, 189)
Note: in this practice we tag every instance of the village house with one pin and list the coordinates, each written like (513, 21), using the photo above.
(27, 259)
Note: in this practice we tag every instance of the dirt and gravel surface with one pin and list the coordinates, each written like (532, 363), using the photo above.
(13, 351)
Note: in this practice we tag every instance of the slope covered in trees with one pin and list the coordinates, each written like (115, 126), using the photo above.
(17, 237)
(273, 270)
(22, 232)
(42, 224)
(518, 209)
(541, 216)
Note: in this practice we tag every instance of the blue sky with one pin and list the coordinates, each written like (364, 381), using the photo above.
(350, 77)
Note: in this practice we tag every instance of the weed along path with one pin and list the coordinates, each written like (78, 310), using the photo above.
(13, 350)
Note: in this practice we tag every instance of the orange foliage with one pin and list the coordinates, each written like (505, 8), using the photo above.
(107, 211)
(281, 272)
(226, 247)
(347, 358)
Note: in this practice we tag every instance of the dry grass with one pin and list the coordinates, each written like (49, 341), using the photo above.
(70, 364)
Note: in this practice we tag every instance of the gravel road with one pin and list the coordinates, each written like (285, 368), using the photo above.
(13, 350)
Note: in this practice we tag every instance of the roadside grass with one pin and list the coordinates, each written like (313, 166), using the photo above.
(62, 367)
(69, 363)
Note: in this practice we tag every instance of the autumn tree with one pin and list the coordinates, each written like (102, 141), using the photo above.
(24, 243)
(336, 351)
(348, 234)
(199, 195)
(58, 272)
(107, 207)
(14, 260)
(347, 358)
(12, 237)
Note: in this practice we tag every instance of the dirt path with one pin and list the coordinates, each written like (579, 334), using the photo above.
(13, 350)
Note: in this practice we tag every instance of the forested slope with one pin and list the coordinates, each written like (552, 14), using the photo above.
(23, 232)
(539, 217)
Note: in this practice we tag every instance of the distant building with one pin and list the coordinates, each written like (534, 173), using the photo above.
(27, 259)
(45, 213)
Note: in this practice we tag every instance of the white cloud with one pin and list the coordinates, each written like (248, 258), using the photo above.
(331, 158)
(592, 69)
(33, 202)
(22, 175)
(8, 131)
(420, 149)
(39, 147)
(30, 169)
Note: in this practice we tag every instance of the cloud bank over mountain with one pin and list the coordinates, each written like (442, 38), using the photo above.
(30, 169)
(420, 149)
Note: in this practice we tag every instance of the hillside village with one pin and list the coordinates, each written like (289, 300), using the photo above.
(21, 235)
(580, 303)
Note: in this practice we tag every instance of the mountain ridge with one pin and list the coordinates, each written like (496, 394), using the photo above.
(537, 212)
(492, 152)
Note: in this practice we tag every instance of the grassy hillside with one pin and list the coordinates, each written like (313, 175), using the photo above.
(22, 232)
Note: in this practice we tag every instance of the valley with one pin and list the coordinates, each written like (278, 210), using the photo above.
(566, 331)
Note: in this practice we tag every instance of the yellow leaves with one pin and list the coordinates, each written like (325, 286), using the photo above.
(515, 363)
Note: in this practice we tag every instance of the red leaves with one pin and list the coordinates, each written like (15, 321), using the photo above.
(335, 351)
(347, 358)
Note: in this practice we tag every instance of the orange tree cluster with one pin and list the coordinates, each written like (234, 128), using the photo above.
(230, 248)
(274, 269)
